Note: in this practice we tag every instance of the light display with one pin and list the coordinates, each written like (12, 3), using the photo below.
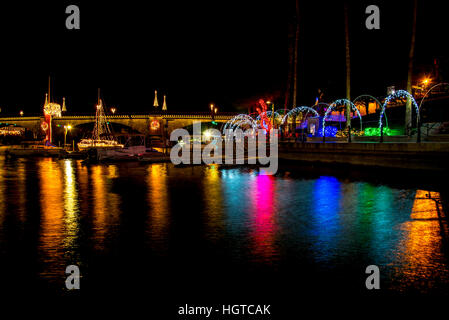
(344, 133)
(102, 136)
(265, 122)
(52, 109)
(400, 94)
(386, 132)
(428, 91)
(12, 131)
(241, 121)
(337, 103)
(155, 125)
(44, 126)
(268, 115)
(329, 131)
(299, 110)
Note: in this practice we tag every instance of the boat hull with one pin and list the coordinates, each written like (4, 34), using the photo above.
(35, 152)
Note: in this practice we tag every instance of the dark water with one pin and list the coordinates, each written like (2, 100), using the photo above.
(198, 233)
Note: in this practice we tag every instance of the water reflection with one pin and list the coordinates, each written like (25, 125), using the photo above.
(421, 261)
(158, 202)
(242, 217)
(262, 222)
(52, 215)
(326, 216)
(20, 191)
(2, 195)
(106, 204)
(71, 208)
(213, 202)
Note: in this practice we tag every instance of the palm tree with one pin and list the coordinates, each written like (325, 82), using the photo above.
(295, 64)
(408, 107)
(348, 68)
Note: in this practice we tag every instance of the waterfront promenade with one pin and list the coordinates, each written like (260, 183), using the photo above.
(407, 155)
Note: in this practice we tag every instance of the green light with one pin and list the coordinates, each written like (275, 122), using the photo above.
(371, 132)
(214, 123)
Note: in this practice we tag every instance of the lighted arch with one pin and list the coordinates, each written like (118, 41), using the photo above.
(239, 121)
(299, 110)
(267, 114)
(375, 99)
(425, 96)
(340, 102)
(398, 94)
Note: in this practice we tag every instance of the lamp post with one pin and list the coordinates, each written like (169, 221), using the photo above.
(272, 113)
(418, 139)
(21, 113)
(212, 109)
(66, 128)
(113, 110)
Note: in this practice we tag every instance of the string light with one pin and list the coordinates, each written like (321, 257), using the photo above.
(242, 121)
(329, 131)
(337, 103)
(400, 94)
(298, 110)
(52, 109)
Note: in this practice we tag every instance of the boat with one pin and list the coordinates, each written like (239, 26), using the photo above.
(102, 137)
(105, 146)
(35, 149)
(134, 148)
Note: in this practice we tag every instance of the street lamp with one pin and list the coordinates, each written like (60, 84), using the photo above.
(21, 113)
(113, 110)
(272, 112)
(213, 110)
(66, 128)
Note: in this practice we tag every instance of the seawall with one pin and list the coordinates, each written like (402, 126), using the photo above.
(420, 156)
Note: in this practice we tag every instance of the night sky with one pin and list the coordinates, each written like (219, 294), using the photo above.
(226, 52)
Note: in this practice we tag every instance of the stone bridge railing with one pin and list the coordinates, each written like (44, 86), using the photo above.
(138, 122)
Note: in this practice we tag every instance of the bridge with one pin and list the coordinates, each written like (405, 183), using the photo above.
(148, 124)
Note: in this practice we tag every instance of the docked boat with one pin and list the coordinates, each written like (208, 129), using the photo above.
(102, 137)
(134, 148)
(35, 150)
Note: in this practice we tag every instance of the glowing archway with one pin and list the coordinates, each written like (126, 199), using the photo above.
(375, 100)
(398, 94)
(340, 102)
(242, 121)
(298, 110)
(428, 91)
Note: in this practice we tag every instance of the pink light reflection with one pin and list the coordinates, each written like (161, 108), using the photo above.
(263, 225)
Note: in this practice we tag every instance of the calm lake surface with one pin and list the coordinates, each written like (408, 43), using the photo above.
(172, 231)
